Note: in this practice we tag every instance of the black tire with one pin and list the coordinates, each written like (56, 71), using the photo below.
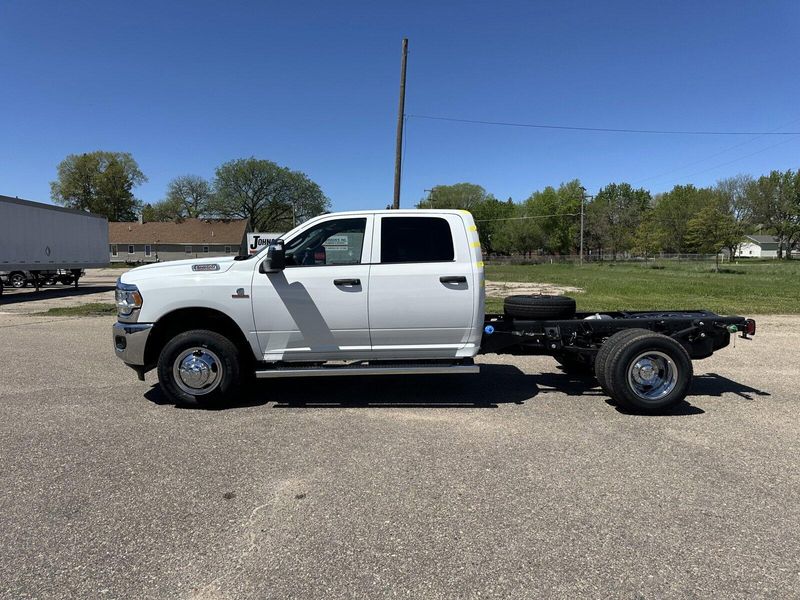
(606, 350)
(17, 280)
(574, 364)
(648, 372)
(215, 354)
(539, 307)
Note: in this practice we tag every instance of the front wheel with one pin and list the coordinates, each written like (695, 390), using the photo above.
(199, 367)
(648, 371)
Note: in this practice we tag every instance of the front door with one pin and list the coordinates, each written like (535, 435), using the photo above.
(316, 308)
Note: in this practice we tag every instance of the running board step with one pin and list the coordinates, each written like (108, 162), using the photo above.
(366, 370)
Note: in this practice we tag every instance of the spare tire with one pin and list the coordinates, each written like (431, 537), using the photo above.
(539, 307)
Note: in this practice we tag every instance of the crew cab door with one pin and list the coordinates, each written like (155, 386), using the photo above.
(422, 296)
(316, 308)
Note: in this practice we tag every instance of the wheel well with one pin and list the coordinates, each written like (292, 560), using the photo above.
(185, 319)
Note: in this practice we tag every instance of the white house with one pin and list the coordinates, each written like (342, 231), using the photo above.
(758, 246)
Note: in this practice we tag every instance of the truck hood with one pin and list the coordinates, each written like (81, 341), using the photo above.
(192, 266)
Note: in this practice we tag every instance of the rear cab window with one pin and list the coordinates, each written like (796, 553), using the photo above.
(416, 240)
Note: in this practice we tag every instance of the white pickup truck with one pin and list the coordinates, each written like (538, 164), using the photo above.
(385, 293)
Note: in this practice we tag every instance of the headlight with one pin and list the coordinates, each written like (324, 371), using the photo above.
(128, 299)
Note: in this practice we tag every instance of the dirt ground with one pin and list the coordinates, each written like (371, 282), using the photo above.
(501, 289)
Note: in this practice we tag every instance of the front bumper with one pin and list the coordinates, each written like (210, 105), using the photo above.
(130, 340)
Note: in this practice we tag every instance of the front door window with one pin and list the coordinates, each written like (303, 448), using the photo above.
(336, 242)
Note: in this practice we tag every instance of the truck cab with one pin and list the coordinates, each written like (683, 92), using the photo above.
(368, 287)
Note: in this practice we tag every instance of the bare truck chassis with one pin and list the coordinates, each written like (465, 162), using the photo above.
(641, 359)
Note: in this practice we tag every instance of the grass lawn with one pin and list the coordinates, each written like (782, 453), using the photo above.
(96, 309)
(748, 288)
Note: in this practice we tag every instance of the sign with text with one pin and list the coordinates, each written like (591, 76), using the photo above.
(256, 242)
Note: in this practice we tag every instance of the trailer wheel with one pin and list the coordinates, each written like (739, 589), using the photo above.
(199, 368)
(539, 307)
(18, 280)
(648, 371)
(606, 350)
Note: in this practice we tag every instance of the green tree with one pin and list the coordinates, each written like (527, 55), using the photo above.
(188, 197)
(673, 211)
(99, 182)
(518, 234)
(489, 212)
(460, 196)
(775, 202)
(616, 211)
(735, 192)
(648, 238)
(557, 213)
(160, 211)
(272, 197)
(712, 229)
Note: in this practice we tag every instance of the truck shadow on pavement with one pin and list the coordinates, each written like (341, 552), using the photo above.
(496, 385)
(712, 384)
(17, 296)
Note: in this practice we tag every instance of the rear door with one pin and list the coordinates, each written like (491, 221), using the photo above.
(421, 297)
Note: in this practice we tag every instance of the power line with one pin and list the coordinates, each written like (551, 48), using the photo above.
(710, 156)
(741, 157)
(601, 129)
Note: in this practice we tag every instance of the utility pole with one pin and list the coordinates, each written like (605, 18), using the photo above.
(584, 195)
(583, 202)
(398, 153)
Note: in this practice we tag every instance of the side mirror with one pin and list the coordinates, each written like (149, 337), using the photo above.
(276, 258)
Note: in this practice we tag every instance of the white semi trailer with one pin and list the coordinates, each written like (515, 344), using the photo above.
(40, 242)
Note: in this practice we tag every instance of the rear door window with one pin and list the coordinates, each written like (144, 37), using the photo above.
(416, 239)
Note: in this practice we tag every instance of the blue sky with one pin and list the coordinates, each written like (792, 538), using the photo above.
(185, 86)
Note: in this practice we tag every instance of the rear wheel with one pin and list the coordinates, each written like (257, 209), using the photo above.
(199, 367)
(17, 280)
(648, 371)
(606, 350)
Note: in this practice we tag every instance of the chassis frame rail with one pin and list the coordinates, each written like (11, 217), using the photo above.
(701, 332)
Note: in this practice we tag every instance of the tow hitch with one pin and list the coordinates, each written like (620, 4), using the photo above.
(747, 332)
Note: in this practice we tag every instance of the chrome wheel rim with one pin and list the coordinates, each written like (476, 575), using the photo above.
(17, 281)
(652, 375)
(197, 371)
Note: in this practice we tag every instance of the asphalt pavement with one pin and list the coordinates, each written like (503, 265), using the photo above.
(520, 482)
